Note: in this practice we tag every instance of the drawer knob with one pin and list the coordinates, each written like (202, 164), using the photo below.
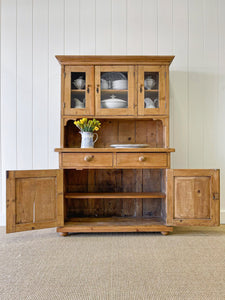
(142, 158)
(88, 157)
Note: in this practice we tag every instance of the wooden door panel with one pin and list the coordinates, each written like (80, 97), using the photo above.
(34, 200)
(193, 197)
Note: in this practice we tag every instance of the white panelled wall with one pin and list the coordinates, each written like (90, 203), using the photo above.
(33, 32)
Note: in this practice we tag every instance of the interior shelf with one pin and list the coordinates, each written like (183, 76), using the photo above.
(114, 91)
(78, 90)
(151, 90)
(114, 195)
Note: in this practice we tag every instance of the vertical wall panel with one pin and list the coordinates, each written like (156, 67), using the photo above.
(103, 27)
(210, 82)
(196, 87)
(179, 84)
(220, 106)
(24, 85)
(56, 46)
(150, 27)
(87, 27)
(119, 29)
(72, 27)
(8, 95)
(165, 27)
(40, 84)
(9, 83)
(134, 27)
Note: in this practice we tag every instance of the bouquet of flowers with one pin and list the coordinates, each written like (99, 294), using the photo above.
(86, 125)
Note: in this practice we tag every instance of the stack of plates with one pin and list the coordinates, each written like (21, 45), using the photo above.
(120, 84)
(130, 145)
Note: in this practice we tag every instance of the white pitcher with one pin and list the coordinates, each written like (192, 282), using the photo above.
(149, 103)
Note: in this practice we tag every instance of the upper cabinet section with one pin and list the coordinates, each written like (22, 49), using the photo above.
(152, 98)
(79, 90)
(114, 90)
(115, 85)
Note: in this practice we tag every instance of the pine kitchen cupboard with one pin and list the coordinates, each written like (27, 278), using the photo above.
(108, 189)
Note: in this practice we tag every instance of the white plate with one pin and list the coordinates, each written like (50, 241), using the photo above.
(130, 145)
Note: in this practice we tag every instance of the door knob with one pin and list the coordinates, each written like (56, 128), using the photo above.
(142, 158)
(88, 157)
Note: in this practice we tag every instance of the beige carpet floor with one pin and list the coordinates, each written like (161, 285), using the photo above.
(188, 264)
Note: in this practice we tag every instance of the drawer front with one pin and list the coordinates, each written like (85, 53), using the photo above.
(142, 160)
(86, 160)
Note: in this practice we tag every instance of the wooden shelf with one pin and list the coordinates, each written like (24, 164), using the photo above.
(76, 90)
(113, 195)
(114, 91)
(163, 150)
(115, 224)
(155, 91)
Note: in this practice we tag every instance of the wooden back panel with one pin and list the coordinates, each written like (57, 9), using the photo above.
(119, 131)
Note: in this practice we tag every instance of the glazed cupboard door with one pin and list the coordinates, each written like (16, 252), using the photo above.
(114, 90)
(152, 89)
(78, 90)
(193, 197)
(34, 200)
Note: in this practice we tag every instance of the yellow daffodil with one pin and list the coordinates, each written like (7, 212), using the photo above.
(87, 126)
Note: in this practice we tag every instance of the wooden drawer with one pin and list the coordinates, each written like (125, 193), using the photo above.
(85, 160)
(142, 160)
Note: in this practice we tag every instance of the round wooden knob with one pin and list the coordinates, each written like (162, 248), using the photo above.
(88, 157)
(142, 158)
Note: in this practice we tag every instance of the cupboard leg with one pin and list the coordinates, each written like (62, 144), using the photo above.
(164, 232)
(63, 233)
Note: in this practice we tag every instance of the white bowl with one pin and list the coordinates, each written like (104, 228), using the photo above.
(120, 84)
(113, 103)
(149, 83)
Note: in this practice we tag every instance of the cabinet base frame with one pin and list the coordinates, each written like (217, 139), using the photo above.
(88, 225)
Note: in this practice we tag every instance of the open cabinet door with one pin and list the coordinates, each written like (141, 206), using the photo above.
(34, 200)
(193, 197)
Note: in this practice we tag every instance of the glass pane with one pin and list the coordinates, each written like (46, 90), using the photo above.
(114, 89)
(151, 85)
(78, 92)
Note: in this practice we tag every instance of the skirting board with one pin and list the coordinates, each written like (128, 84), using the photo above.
(222, 217)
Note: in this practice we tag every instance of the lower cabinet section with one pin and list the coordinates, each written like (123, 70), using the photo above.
(112, 200)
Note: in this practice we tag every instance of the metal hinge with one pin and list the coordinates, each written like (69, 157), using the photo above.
(216, 196)
(64, 74)
(64, 104)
